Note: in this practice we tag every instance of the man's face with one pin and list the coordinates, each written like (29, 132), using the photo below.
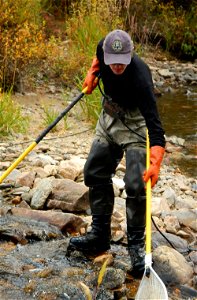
(118, 69)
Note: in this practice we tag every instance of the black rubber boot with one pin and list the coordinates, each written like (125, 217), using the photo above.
(98, 170)
(97, 240)
(135, 209)
(136, 248)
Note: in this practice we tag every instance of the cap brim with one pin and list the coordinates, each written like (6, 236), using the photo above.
(110, 59)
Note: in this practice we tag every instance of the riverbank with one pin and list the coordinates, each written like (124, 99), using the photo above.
(45, 203)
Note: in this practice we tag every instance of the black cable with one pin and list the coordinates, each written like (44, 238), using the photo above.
(189, 248)
(52, 138)
(162, 233)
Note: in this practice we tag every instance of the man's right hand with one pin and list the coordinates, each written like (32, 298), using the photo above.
(156, 156)
(90, 81)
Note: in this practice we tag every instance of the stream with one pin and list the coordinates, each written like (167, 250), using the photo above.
(178, 113)
(34, 262)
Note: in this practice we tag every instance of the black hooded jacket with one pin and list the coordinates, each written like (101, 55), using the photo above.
(133, 89)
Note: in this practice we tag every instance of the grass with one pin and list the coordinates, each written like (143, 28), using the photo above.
(90, 104)
(11, 118)
(50, 115)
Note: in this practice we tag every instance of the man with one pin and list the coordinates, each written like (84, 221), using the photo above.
(129, 106)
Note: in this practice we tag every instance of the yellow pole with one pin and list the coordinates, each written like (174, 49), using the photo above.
(41, 136)
(17, 161)
(148, 199)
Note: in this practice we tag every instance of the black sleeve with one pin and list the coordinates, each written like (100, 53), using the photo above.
(99, 51)
(148, 108)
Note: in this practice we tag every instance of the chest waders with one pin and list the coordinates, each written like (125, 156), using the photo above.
(112, 140)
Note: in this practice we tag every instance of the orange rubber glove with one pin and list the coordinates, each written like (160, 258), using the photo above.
(90, 81)
(156, 156)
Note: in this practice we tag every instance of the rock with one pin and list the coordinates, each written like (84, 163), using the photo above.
(12, 177)
(187, 292)
(165, 73)
(73, 291)
(187, 217)
(159, 223)
(20, 229)
(16, 200)
(72, 168)
(23, 204)
(183, 234)
(113, 278)
(4, 165)
(170, 195)
(159, 204)
(193, 257)
(171, 266)
(67, 223)
(118, 235)
(41, 193)
(172, 224)
(178, 243)
(51, 170)
(188, 203)
(170, 148)
(176, 140)
(26, 179)
(119, 183)
(20, 190)
(41, 160)
(68, 195)
(41, 173)
(27, 196)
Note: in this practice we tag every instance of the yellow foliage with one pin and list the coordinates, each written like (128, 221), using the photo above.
(102, 271)
(24, 44)
(21, 38)
(86, 290)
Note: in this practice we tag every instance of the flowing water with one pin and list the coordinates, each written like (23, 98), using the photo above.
(178, 113)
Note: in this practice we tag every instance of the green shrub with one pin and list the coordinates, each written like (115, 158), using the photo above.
(172, 24)
(11, 119)
(189, 41)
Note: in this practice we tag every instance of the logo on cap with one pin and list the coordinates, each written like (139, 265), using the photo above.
(117, 45)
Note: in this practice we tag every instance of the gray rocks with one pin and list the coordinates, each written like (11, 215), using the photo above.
(172, 73)
(67, 223)
(187, 217)
(59, 199)
(21, 229)
(68, 196)
(171, 266)
(41, 193)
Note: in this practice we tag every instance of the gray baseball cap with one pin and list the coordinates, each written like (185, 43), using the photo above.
(118, 48)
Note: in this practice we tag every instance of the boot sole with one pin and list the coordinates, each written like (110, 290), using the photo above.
(86, 251)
